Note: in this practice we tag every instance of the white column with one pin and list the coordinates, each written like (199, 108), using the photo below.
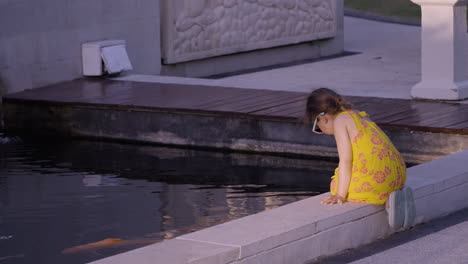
(443, 45)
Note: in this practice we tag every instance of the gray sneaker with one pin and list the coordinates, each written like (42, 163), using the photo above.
(396, 210)
(410, 208)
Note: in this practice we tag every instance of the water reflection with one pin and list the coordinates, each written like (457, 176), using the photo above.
(77, 201)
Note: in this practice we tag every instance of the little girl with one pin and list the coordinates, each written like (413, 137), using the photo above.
(370, 169)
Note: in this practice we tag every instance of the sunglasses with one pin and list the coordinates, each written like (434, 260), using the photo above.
(316, 129)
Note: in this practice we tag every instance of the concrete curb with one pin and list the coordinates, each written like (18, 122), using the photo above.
(307, 230)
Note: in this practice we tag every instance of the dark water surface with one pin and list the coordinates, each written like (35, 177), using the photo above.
(57, 197)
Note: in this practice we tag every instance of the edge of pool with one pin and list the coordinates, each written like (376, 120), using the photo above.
(213, 130)
(306, 230)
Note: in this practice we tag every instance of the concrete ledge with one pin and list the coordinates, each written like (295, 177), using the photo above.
(306, 230)
(220, 130)
(177, 251)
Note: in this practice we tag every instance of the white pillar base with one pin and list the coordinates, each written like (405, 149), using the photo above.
(440, 90)
(443, 50)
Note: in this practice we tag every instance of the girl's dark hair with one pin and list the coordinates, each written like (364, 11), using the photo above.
(324, 100)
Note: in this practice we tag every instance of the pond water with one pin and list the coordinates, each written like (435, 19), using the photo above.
(78, 201)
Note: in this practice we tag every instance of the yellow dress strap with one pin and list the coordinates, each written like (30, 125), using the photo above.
(351, 112)
(363, 114)
(356, 117)
(361, 124)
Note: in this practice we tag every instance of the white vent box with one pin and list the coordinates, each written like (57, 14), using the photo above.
(107, 56)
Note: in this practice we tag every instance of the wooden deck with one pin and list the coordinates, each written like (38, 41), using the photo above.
(428, 116)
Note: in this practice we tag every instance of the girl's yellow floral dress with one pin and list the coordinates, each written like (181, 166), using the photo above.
(378, 168)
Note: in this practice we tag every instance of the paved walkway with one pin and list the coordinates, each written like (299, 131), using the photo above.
(388, 65)
(441, 241)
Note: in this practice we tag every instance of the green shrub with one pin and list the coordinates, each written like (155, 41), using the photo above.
(389, 8)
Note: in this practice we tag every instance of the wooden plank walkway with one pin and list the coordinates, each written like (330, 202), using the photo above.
(428, 116)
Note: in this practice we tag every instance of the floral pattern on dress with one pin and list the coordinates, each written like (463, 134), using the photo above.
(379, 177)
(365, 187)
(377, 167)
(376, 138)
(381, 153)
(364, 170)
(359, 135)
(364, 123)
(384, 196)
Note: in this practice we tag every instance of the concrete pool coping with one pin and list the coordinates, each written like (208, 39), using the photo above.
(210, 130)
(223, 118)
(306, 230)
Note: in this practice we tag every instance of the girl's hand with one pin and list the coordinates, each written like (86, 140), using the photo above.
(334, 199)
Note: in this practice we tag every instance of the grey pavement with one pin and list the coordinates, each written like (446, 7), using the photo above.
(387, 64)
(444, 240)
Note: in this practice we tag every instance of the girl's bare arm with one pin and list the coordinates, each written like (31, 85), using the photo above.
(345, 153)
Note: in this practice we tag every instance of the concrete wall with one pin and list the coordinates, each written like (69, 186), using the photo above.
(40, 40)
(278, 32)
(197, 29)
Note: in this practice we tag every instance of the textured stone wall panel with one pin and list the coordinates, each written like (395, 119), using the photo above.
(197, 29)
